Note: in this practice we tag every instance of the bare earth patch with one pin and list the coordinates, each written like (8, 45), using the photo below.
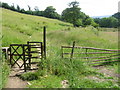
(13, 80)
(108, 73)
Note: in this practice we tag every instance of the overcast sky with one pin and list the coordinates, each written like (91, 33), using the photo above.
(89, 7)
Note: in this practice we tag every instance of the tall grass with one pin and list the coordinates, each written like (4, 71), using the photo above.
(4, 74)
(84, 37)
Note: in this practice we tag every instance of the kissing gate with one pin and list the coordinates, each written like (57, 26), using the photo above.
(25, 52)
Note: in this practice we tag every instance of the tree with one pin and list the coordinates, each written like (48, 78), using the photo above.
(22, 11)
(74, 4)
(13, 7)
(5, 5)
(72, 14)
(117, 16)
(109, 22)
(29, 11)
(50, 13)
(90, 21)
(0, 4)
(36, 8)
(18, 8)
(113, 22)
(37, 11)
(29, 8)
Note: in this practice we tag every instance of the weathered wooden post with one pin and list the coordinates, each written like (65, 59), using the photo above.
(86, 53)
(72, 50)
(62, 51)
(44, 41)
(29, 54)
(11, 55)
(23, 47)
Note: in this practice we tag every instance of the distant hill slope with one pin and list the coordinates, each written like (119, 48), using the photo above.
(16, 25)
(101, 16)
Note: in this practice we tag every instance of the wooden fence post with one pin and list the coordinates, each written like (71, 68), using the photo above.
(10, 56)
(29, 54)
(44, 41)
(62, 51)
(72, 50)
(41, 50)
(23, 47)
(86, 53)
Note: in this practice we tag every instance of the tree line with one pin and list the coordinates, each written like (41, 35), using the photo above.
(72, 14)
(109, 22)
(48, 12)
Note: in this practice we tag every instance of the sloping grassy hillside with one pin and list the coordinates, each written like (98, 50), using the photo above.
(18, 27)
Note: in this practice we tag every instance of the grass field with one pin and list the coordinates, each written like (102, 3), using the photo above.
(20, 28)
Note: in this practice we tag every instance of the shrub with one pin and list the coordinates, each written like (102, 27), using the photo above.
(29, 76)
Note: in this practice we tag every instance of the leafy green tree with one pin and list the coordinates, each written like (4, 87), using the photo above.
(97, 20)
(72, 14)
(90, 21)
(50, 13)
(22, 11)
(5, 5)
(79, 22)
(113, 22)
(109, 22)
(117, 16)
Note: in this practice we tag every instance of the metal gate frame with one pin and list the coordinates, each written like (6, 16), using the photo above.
(25, 54)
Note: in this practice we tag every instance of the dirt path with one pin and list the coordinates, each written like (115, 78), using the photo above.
(107, 73)
(14, 81)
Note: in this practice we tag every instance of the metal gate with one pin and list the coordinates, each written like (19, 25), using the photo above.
(25, 53)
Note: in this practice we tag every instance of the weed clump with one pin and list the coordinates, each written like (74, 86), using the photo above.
(29, 76)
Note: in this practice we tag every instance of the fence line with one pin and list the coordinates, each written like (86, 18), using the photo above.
(99, 59)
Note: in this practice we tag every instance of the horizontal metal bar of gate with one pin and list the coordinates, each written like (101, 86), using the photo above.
(94, 53)
(21, 45)
(90, 48)
(19, 54)
(36, 47)
(35, 42)
(34, 57)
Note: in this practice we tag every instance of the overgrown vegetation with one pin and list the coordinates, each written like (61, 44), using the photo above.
(5, 72)
(20, 28)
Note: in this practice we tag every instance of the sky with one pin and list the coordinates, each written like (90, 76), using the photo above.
(89, 7)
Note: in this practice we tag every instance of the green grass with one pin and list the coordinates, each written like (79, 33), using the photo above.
(5, 72)
(49, 81)
(20, 28)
